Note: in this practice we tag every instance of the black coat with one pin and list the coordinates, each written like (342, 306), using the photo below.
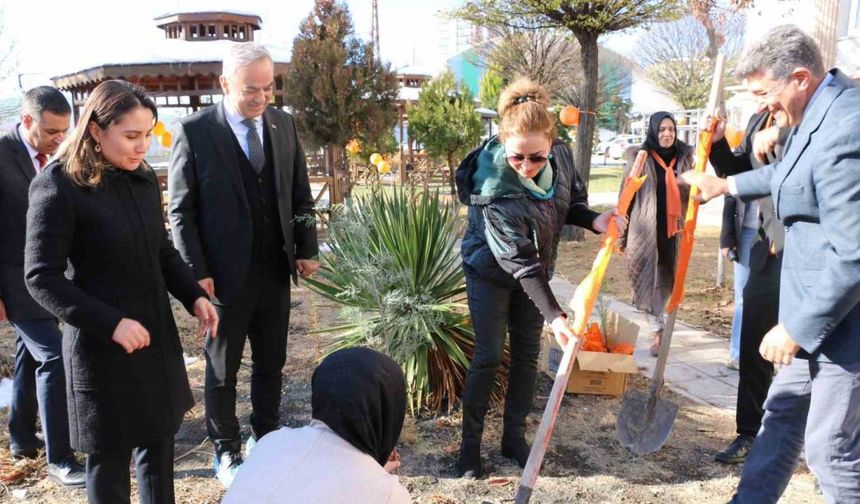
(528, 229)
(16, 172)
(726, 162)
(513, 237)
(123, 266)
(209, 211)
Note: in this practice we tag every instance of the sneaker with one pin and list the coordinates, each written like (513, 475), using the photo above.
(733, 364)
(226, 466)
(737, 452)
(68, 473)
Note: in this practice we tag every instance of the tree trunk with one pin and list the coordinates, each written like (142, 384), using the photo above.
(585, 130)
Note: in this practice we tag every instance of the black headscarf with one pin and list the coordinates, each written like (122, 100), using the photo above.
(361, 395)
(652, 142)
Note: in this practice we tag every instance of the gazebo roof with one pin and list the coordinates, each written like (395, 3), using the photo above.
(157, 57)
(214, 14)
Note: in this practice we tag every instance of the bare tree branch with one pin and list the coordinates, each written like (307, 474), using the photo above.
(677, 56)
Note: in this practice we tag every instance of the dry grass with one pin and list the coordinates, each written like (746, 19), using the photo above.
(585, 462)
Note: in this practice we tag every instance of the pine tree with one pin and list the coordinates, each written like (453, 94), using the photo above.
(337, 90)
(445, 122)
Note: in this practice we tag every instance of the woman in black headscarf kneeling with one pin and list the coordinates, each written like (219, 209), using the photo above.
(344, 455)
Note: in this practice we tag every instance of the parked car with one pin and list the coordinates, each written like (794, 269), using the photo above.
(615, 147)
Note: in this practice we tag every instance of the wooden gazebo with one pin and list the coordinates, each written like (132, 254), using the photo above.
(182, 69)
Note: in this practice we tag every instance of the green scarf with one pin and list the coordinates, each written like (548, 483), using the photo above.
(495, 177)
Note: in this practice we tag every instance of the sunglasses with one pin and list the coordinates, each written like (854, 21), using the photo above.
(518, 159)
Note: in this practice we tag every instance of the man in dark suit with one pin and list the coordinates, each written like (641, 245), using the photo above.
(39, 384)
(242, 216)
(815, 397)
(760, 292)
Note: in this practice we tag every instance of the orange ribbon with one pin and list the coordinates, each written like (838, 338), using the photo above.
(703, 151)
(586, 293)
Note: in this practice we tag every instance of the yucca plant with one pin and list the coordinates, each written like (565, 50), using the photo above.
(394, 270)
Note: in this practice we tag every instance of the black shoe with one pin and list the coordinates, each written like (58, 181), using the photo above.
(68, 473)
(28, 453)
(736, 452)
(469, 464)
(516, 448)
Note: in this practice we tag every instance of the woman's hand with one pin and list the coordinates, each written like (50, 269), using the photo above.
(208, 317)
(601, 222)
(130, 335)
(561, 330)
(393, 463)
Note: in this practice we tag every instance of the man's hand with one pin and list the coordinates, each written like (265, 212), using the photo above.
(307, 267)
(208, 285)
(777, 346)
(2, 311)
(130, 335)
(764, 142)
(208, 317)
(709, 186)
(725, 252)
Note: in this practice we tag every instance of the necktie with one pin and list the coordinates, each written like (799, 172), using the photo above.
(42, 159)
(256, 154)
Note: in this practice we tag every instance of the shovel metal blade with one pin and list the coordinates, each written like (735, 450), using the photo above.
(644, 422)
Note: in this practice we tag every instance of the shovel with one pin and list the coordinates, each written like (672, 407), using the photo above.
(645, 420)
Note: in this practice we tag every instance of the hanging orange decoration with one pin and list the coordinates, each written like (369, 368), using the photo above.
(569, 115)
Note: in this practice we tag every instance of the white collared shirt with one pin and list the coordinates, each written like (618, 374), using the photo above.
(235, 118)
(33, 152)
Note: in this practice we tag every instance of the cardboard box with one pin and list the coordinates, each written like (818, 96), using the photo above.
(597, 373)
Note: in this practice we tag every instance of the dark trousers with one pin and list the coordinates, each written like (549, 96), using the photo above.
(497, 310)
(108, 479)
(760, 315)
(262, 314)
(39, 385)
(811, 403)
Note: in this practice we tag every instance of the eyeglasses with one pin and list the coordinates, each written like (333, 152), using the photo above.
(778, 87)
(518, 159)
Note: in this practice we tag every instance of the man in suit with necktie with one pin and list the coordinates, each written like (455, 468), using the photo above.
(815, 397)
(241, 212)
(39, 383)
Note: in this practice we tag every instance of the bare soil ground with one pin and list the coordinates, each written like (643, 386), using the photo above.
(585, 462)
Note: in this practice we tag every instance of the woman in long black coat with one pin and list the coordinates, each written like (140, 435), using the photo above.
(98, 209)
